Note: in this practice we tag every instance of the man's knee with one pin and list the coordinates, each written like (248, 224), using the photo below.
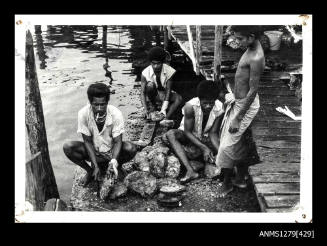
(171, 135)
(150, 88)
(130, 148)
(178, 99)
(68, 148)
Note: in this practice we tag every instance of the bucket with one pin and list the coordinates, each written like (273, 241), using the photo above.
(275, 38)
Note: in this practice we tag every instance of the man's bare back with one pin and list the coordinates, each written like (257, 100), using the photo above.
(252, 57)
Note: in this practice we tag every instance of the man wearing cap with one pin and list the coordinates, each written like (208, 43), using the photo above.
(156, 83)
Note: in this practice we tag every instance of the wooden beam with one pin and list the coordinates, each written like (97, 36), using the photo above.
(165, 31)
(217, 52)
(169, 32)
(190, 40)
(198, 49)
(34, 121)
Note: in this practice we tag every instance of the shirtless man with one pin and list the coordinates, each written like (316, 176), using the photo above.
(101, 126)
(198, 132)
(156, 84)
(242, 104)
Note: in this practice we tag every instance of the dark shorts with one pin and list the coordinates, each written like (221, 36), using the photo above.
(158, 100)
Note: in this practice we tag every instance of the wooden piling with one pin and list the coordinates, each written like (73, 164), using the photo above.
(198, 49)
(190, 40)
(217, 52)
(36, 132)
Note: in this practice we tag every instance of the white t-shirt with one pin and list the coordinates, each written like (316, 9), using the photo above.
(216, 111)
(113, 127)
(166, 73)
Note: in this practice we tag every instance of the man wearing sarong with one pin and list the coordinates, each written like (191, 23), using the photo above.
(156, 84)
(101, 126)
(197, 136)
(242, 105)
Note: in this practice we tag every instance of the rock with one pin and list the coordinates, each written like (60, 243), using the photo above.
(107, 185)
(173, 167)
(119, 190)
(156, 116)
(157, 149)
(141, 161)
(167, 182)
(147, 149)
(142, 183)
(128, 167)
(211, 171)
(158, 165)
(197, 165)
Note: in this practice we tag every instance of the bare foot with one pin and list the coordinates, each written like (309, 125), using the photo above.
(85, 180)
(224, 189)
(240, 183)
(188, 177)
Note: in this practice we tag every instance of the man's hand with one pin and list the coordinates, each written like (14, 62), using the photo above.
(164, 107)
(208, 155)
(96, 174)
(113, 166)
(163, 112)
(146, 115)
(234, 125)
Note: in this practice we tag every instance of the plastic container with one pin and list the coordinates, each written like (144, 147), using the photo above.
(275, 38)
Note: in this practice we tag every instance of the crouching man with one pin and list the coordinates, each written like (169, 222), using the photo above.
(202, 117)
(101, 126)
(156, 84)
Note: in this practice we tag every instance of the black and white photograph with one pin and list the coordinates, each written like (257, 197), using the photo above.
(175, 118)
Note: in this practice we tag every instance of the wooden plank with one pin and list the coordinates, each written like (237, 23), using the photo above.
(274, 168)
(278, 144)
(277, 189)
(280, 155)
(34, 183)
(275, 92)
(34, 121)
(191, 47)
(262, 203)
(217, 52)
(279, 210)
(280, 201)
(148, 133)
(263, 122)
(198, 49)
(277, 131)
(292, 139)
(281, 119)
(276, 178)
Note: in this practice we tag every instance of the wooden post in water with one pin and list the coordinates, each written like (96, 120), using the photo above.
(217, 52)
(165, 30)
(198, 49)
(40, 168)
(190, 40)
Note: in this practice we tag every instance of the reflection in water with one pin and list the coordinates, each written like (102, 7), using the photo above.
(40, 47)
(86, 38)
(104, 50)
(141, 42)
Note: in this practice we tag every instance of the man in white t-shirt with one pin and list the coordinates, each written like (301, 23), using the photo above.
(101, 126)
(156, 84)
(198, 134)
